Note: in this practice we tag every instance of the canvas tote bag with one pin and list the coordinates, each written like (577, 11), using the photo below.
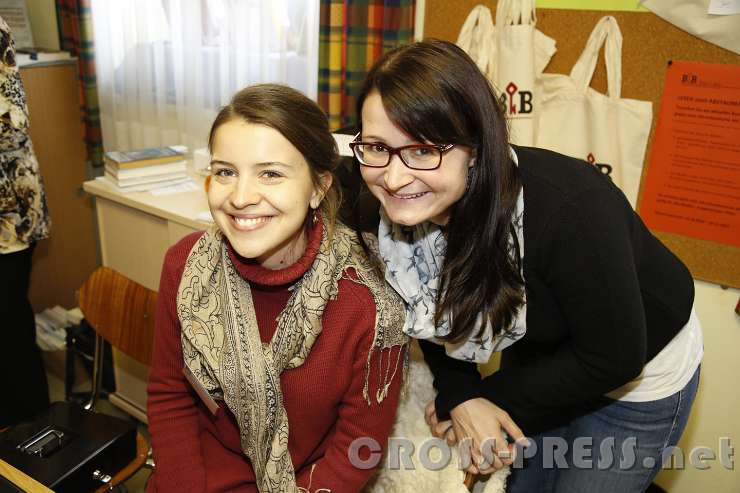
(578, 121)
(692, 16)
(511, 53)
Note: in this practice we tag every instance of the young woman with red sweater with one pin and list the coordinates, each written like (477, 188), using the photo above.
(277, 343)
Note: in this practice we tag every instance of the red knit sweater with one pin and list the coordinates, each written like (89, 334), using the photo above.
(195, 451)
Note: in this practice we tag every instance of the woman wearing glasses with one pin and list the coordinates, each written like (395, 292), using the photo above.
(521, 250)
(277, 345)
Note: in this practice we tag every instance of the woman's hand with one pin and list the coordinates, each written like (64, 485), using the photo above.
(440, 429)
(480, 424)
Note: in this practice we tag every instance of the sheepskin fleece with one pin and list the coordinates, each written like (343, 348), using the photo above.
(410, 424)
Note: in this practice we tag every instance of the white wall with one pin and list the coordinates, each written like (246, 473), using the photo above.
(716, 411)
(42, 15)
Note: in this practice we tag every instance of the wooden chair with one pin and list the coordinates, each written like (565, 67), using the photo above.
(122, 312)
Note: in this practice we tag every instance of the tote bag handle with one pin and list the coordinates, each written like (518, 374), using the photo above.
(606, 33)
(477, 38)
(515, 13)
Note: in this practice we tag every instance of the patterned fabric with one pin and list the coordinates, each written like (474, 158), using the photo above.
(76, 36)
(223, 350)
(414, 258)
(24, 217)
(353, 35)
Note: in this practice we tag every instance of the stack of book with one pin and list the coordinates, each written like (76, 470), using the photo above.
(30, 56)
(145, 169)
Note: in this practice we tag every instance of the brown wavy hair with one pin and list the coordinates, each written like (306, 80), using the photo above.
(299, 120)
(434, 92)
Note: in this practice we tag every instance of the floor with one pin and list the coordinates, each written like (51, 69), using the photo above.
(135, 484)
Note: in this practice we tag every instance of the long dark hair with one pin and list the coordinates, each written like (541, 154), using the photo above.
(435, 92)
(301, 121)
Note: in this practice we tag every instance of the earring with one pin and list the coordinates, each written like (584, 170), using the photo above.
(314, 217)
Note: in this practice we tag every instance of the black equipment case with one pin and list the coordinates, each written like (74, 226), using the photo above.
(69, 449)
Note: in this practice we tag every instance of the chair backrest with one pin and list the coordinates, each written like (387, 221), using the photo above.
(121, 311)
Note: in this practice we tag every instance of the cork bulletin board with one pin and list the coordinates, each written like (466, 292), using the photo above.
(649, 43)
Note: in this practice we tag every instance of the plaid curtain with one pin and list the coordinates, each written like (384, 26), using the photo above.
(353, 35)
(76, 36)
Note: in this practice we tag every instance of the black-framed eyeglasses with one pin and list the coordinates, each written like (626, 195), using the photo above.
(416, 156)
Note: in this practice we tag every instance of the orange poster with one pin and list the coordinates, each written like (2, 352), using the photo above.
(692, 186)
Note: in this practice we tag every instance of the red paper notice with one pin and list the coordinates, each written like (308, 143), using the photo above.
(692, 186)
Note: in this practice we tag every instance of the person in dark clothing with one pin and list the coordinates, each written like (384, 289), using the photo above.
(538, 255)
(24, 220)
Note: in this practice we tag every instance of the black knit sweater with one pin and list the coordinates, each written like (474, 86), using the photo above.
(604, 296)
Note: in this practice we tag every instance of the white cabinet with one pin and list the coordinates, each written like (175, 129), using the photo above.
(135, 231)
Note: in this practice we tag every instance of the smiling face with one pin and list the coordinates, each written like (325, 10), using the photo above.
(260, 192)
(409, 196)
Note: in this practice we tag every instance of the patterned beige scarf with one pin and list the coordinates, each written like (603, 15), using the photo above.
(222, 347)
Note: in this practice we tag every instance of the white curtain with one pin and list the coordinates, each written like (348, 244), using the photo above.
(165, 67)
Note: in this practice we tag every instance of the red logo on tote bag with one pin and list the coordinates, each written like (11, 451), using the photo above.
(524, 105)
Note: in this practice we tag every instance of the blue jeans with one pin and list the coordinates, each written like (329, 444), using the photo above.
(616, 449)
